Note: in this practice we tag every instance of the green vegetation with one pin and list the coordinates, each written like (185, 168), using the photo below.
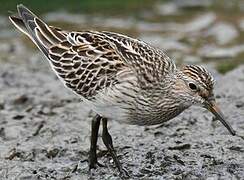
(80, 6)
(228, 65)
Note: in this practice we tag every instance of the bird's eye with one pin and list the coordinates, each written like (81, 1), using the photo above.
(192, 86)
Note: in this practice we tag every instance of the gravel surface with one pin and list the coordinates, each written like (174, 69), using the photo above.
(45, 129)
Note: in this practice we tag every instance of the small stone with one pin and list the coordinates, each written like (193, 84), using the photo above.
(20, 100)
(213, 177)
(180, 147)
(169, 8)
(52, 153)
(223, 33)
(18, 117)
(241, 24)
(151, 27)
(191, 59)
(14, 153)
(120, 23)
(39, 127)
(240, 104)
(237, 148)
(5, 48)
(3, 21)
(65, 17)
(1, 106)
(2, 133)
(13, 132)
(200, 22)
(213, 52)
(166, 44)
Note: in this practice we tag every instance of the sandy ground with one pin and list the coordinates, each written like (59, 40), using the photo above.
(45, 129)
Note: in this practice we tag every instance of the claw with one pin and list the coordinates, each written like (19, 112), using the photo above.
(94, 165)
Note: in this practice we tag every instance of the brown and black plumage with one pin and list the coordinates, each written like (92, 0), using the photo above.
(118, 77)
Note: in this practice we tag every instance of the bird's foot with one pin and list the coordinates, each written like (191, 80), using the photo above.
(93, 163)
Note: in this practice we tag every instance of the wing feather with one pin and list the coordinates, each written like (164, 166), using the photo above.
(90, 61)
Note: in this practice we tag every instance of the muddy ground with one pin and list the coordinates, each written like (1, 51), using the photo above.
(44, 132)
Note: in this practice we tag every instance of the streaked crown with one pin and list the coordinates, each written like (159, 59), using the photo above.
(199, 74)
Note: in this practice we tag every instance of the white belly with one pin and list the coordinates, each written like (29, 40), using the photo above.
(113, 105)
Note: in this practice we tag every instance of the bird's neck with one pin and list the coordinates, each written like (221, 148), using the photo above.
(158, 104)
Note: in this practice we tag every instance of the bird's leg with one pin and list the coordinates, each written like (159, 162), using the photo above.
(93, 146)
(107, 140)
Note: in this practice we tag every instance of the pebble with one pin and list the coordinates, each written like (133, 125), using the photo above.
(3, 21)
(223, 33)
(20, 99)
(214, 52)
(241, 24)
(213, 177)
(13, 132)
(52, 153)
(119, 23)
(63, 16)
(165, 43)
(168, 8)
(201, 22)
(189, 59)
(142, 26)
(180, 147)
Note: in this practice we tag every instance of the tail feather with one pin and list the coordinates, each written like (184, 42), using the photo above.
(40, 33)
(46, 31)
(19, 23)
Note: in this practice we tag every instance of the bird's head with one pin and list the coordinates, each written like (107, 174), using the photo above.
(194, 85)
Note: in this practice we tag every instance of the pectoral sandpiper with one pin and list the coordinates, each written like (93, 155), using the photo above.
(119, 78)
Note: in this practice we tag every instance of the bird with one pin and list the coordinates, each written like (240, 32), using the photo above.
(119, 78)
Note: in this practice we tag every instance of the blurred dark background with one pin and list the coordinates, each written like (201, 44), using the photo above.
(119, 7)
(82, 6)
(190, 31)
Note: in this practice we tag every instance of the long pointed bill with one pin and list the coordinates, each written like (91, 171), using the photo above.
(212, 106)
